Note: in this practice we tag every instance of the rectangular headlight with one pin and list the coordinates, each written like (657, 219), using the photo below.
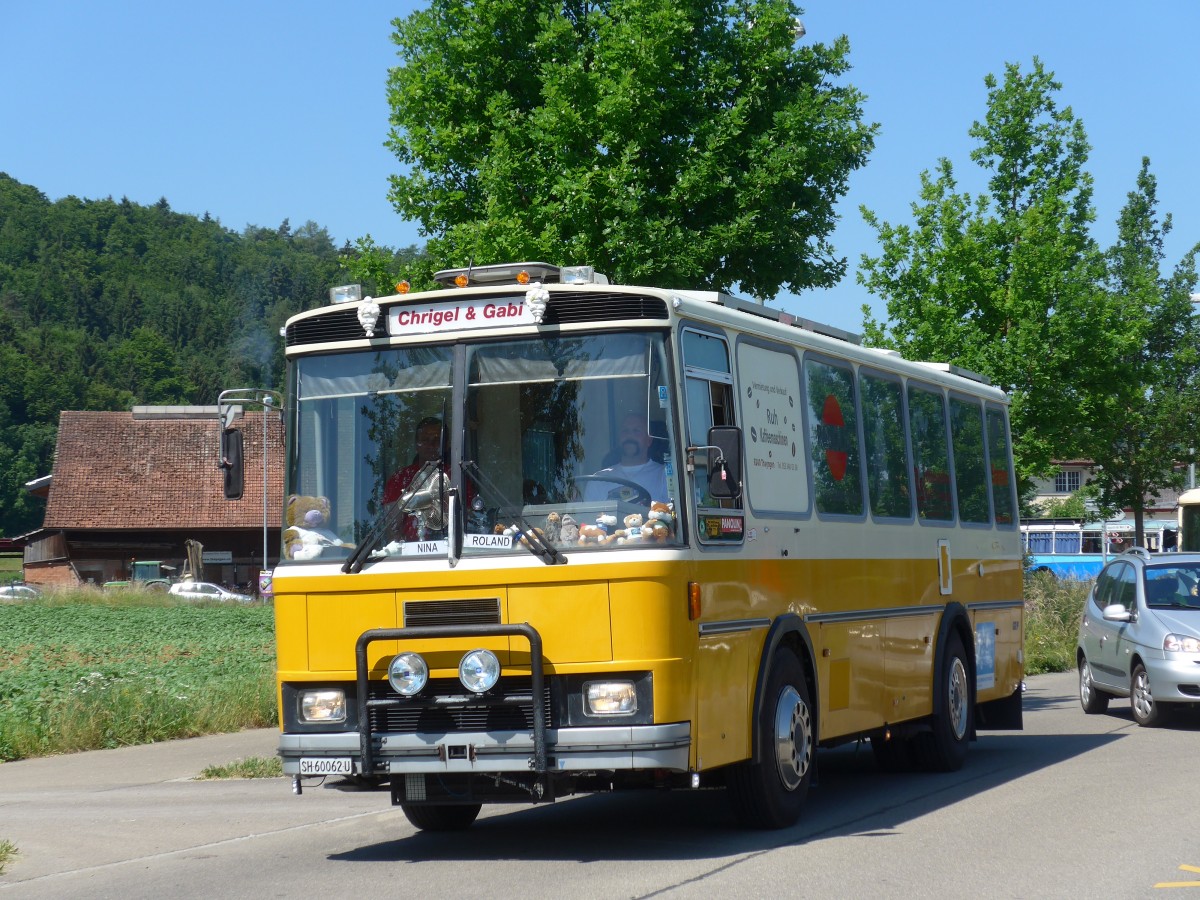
(609, 698)
(323, 706)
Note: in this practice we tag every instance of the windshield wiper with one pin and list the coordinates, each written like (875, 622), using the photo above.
(529, 536)
(383, 525)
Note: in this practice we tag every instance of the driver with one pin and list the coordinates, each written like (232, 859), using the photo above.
(634, 464)
(429, 448)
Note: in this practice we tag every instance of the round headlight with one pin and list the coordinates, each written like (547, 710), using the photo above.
(479, 671)
(408, 674)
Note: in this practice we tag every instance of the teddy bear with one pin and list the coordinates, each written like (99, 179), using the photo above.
(661, 520)
(568, 530)
(553, 527)
(591, 534)
(307, 534)
(656, 530)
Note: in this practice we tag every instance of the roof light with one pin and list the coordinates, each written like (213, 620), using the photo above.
(505, 273)
(403, 287)
(346, 293)
(578, 275)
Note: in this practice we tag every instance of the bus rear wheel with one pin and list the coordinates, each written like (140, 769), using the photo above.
(771, 792)
(447, 817)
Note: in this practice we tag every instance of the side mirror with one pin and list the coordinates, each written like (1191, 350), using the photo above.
(1116, 612)
(725, 469)
(231, 463)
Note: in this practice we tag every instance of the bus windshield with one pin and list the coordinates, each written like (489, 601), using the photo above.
(572, 436)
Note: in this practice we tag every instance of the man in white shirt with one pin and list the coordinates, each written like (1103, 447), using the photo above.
(634, 465)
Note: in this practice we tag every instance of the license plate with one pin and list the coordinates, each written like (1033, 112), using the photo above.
(337, 765)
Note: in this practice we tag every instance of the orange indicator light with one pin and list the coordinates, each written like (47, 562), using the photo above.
(402, 287)
(693, 600)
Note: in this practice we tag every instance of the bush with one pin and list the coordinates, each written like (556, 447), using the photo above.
(1053, 609)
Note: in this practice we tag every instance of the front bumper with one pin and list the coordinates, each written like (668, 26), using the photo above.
(1174, 677)
(604, 749)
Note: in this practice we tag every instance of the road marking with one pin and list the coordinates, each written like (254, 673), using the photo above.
(1179, 884)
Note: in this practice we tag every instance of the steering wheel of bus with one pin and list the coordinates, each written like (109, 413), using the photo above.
(641, 496)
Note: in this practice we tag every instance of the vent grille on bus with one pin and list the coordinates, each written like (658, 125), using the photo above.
(564, 309)
(338, 325)
(451, 612)
(601, 306)
(507, 708)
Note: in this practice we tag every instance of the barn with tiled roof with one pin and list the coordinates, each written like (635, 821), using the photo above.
(137, 485)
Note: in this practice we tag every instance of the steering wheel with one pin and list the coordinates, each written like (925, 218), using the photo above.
(641, 496)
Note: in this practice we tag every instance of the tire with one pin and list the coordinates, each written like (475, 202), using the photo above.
(1091, 698)
(944, 747)
(1146, 712)
(771, 792)
(447, 817)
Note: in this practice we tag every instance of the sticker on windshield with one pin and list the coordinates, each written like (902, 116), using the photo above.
(488, 541)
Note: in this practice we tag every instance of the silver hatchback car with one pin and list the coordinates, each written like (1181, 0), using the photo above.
(1140, 635)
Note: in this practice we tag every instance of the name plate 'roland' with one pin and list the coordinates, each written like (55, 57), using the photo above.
(501, 541)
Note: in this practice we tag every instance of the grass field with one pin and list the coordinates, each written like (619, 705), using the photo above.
(86, 671)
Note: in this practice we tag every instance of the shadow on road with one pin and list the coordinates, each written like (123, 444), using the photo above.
(852, 797)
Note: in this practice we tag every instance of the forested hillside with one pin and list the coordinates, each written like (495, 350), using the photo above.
(106, 304)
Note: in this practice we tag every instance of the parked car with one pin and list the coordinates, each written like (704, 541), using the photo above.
(203, 590)
(19, 592)
(1140, 635)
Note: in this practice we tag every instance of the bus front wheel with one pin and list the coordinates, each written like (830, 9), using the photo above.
(448, 817)
(770, 793)
(944, 747)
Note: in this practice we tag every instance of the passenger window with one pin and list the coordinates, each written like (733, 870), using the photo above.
(833, 438)
(1127, 591)
(931, 458)
(1103, 590)
(1003, 496)
(885, 447)
(970, 472)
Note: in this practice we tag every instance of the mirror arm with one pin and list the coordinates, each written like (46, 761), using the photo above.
(691, 456)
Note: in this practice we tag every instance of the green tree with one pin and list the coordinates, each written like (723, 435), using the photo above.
(1005, 283)
(689, 142)
(1143, 424)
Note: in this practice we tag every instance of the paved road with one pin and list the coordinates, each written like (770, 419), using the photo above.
(1074, 806)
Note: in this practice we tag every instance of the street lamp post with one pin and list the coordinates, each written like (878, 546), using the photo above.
(229, 403)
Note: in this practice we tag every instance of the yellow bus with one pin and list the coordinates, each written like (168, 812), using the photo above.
(547, 535)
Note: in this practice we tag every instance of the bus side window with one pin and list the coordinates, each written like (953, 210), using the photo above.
(708, 383)
(931, 454)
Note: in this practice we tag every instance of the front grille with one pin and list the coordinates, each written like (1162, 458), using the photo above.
(418, 613)
(508, 707)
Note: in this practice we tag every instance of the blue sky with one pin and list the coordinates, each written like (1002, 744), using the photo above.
(260, 111)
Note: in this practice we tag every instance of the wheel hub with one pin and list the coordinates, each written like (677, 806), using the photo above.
(793, 738)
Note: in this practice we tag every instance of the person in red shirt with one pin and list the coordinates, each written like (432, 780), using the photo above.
(429, 448)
